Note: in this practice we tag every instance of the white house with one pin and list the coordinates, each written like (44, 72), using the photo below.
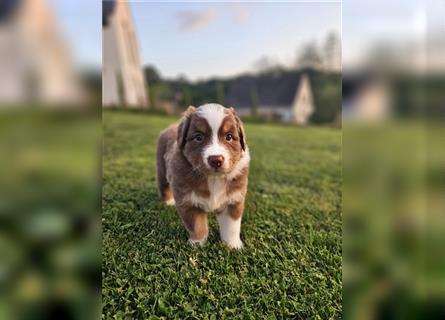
(35, 63)
(284, 97)
(123, 81)
(366, 98)
(303, 104)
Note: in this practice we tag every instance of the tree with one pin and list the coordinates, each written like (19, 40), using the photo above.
(187, 95)
(310, 57)
(327, 90)
(332, 52)
(267, 64)
(152, 75)
(220, 92)
(253, 100)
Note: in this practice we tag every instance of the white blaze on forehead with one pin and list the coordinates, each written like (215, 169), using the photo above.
(214, 114)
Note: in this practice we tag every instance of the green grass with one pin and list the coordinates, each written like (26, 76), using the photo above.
(290, 267)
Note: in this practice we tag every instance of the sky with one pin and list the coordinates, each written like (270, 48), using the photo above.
(201, 40)
(367, 23)
(80, 23)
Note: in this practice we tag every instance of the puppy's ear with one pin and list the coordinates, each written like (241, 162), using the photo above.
(184, 125)
(241, 132)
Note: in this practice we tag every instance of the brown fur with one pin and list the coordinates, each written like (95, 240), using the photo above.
(165, 142)
(181, 170)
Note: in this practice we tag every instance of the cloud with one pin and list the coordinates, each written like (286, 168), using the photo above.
(240, 12)
(194, 20)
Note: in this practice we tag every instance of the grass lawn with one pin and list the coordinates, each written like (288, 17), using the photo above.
(290, 267)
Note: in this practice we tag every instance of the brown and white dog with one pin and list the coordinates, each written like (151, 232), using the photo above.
(202, 166)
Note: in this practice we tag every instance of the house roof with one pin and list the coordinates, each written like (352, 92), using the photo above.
(107, 10)
(272, 89)
(352, 84)
(8, 8)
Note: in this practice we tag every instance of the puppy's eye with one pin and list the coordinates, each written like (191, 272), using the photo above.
(199, 137)
(229, 137)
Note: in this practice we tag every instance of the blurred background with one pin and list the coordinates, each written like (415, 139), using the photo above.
(50, 62)
(271, 61)
(285, 70)
(393, 172)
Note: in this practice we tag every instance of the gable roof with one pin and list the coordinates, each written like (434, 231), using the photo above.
(7, 9)
(108, 7)
(272, 89)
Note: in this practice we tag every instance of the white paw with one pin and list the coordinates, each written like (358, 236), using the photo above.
(170, 202)
(197, 242)
(235, 244)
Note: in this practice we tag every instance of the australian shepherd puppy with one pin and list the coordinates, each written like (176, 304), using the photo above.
(202, 167)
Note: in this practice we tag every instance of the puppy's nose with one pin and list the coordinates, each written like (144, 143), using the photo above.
(215, 161)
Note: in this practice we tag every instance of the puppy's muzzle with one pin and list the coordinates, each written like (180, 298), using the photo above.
(215, 161)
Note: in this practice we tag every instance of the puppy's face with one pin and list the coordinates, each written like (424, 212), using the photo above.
(212, 138)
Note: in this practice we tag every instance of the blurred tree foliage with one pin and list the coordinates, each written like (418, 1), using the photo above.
(418, 96)
(152, 75)
(326, 89)
(310, 56)
(220, 92)
(254, 100)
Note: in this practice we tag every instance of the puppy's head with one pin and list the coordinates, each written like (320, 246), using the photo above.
(212, 138)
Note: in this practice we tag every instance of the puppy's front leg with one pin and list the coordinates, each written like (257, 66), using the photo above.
(229, 221)
(195, 221)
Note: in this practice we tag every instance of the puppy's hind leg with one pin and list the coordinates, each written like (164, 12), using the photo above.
(167, 196)
(164, 189)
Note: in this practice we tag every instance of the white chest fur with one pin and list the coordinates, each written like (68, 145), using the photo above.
(218, 198)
